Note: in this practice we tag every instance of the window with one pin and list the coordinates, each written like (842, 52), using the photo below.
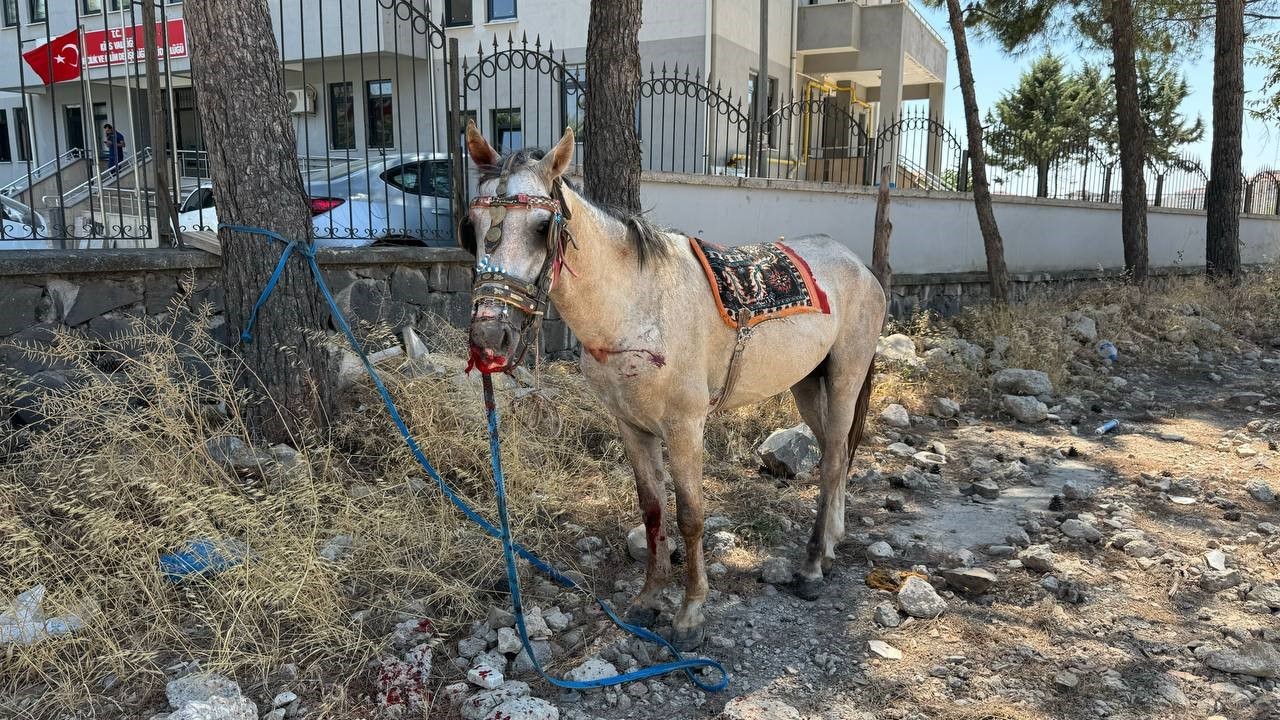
(381, 133)
(6, 151)
(429, 177)
(575, 109)
(508, 136)
(23, 129)
(37, 10)
(457, 12)
(199, 199)
(10, 10)
(501, 9)
(342, 116)
(95, 6)
(73, 123)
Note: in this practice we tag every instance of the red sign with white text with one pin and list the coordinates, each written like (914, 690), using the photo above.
(121, 45)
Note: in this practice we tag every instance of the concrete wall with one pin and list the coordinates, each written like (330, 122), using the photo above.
(936, 232)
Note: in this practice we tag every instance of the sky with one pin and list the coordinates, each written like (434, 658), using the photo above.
(995, 72)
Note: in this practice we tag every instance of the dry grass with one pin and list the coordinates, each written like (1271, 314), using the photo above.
(122, 473)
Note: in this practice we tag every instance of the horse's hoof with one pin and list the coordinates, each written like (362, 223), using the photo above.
(641, 616)
(687, 640)
(806, 588)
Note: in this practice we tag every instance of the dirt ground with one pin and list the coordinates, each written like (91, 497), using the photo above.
(1132, 643)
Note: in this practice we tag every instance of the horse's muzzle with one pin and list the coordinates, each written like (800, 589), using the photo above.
(493, 340)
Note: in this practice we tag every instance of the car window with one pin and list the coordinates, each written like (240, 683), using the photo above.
(201, 199)
(429, 177)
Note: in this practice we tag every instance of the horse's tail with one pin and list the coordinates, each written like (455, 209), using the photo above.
(860, 411)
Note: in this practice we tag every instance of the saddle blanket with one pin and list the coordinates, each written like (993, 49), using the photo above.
(768, 281)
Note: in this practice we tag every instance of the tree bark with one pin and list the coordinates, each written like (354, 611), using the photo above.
(1133, 186)
(253, 161)
(991, 240)
(1222, 228)
(880, 239)
(1042, 178)
(611, 165)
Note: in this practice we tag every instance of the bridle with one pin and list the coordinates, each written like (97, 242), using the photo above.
(493, 286)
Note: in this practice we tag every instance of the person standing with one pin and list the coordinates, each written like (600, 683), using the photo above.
(114, 141)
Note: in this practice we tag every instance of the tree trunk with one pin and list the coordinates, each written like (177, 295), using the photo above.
(991, 240)
(883, 230)
(1133, 186)
(253, 161)
(612, 148)
(1042, 178)
(1222, 230)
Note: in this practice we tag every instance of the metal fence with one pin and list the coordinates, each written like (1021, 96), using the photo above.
(379, 95)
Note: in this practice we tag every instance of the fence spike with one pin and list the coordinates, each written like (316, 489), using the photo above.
(524, 38)
(537, 42)
(511, 41)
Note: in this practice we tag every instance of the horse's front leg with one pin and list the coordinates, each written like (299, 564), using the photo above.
(684, 444)
(644, 451)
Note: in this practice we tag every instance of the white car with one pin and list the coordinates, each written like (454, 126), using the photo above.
(23, 228)
(404, 199)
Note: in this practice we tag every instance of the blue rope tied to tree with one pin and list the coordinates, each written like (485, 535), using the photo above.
(510, 548)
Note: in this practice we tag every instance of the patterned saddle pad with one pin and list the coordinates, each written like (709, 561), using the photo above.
(768, 281)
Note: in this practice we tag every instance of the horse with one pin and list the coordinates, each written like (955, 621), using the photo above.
(659, 351)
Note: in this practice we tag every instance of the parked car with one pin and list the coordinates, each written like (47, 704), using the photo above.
(404, 199)
(23, 228)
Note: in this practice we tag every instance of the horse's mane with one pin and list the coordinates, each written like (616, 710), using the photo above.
(649, 239)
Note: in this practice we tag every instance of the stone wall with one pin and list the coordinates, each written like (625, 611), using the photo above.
(99, 291)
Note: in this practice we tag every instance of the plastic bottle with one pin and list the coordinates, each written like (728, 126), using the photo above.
(1107, 427)
(1108, 351)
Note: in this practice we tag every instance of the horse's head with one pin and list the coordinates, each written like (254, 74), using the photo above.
(515, 227)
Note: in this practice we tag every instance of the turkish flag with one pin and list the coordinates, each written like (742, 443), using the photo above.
(58, 60)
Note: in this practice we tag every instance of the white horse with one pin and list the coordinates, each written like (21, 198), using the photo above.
(657, 347)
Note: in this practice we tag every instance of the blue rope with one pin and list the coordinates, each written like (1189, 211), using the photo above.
(510, 548)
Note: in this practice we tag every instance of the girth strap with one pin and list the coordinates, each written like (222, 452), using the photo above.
(735, 365)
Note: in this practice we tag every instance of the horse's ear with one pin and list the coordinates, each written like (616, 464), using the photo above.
(558, 160)
(482, 153)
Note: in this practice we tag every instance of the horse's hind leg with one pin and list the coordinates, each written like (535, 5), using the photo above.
(845, 407)
(811, 400)
(644, 451)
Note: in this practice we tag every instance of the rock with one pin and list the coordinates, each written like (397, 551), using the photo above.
(1066, 681)
(524, 708)
(287, 700)
(1071, 491)
(97, 298)
(200, 686)
(1267, 594)
(1025, 408)
(337, 546)
(776, 571)
(985, 488)
(485, 677)
(541, 653)
(879, 550)
(277, 714)
(894, 503)
(944, 408)
(1001, 551)
(927, 460)
(556, 620)
(1254, 658)
(897, 348)
(1039, 558)
(1259, 490)
(758, 708)
(886, 615)
(500, 618)
(721, 542)
(478, 706)
(536, 625)
(895, 416)
(789, 452)
(973, 581)
(901, 449)
(917, 598)
(1074, 528)
(1216, 560)
(217, 708)
(508, 641)
(1014, 381)
(233, 453)
(471, 647)
(1122, 539)
(1245, 399)
(1082, 328)
(1140, 549)
(1217, 581)
(884, 650)
(592, 669)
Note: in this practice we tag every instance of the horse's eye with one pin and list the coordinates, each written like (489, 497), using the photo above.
(545, 227)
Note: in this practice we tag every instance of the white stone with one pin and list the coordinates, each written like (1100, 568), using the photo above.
(789, 452)
(1025, 408)
(884, 650)
(524, 708)
(1015, 381)
(917, 598)
(1082, 327)
(1216, 559)
(1074, 528)
(896, 348)
(485, 677)
(217, 708)
(478, 706)
(508, 641)
(414, 348)
(200, 686)
(592, 669)
(1254, 658)
(879, 550)
(944, 408)
(895, 416)
(901, 449)
(1039, 558)
(926, 459)
(886, 615)
(1259, 490)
